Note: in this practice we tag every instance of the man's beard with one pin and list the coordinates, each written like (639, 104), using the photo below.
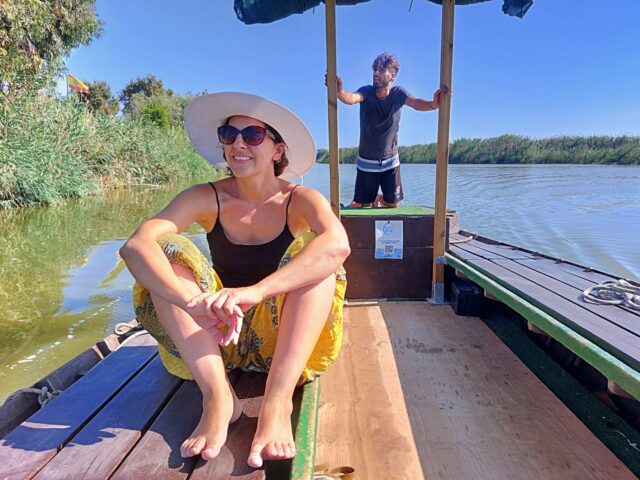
(381, 84)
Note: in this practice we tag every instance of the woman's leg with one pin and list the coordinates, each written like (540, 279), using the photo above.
(201, 354)
(304, 315)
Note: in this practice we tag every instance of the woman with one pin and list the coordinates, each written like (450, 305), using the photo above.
(277, 251)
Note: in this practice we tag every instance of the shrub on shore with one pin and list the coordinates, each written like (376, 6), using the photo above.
(52, 149)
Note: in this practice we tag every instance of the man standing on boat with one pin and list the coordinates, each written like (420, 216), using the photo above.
(378, 164)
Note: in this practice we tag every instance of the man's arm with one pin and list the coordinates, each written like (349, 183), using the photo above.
(347, 98)
(423, 105)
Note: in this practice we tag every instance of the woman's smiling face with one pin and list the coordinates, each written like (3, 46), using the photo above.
(244, 159)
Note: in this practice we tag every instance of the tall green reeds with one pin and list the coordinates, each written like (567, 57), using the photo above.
(52, 149)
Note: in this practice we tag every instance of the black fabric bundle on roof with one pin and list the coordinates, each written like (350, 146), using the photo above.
(514, 8)
(267, 11)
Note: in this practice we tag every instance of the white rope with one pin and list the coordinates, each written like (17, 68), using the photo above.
(614, 292)
(465, 240)
(124, 329)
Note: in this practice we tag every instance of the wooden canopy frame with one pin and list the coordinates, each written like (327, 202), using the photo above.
(442, 148)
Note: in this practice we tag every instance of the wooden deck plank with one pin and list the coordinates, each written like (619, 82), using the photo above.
(97, 450)
(477, 412)
(231, 464)
(157, 455)
(363, 419)
(618, 342)
(588, 274)
(586, 323)
(617, 317)
(31, 445)
(565, 272)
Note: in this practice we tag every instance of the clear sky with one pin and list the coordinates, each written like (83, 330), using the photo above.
(570, 67)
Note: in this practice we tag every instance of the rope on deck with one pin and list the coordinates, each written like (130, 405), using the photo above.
(44, 394)
(128, 330)
(614, 292)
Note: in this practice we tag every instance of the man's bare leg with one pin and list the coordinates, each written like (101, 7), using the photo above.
(304, 314)
(201, 353)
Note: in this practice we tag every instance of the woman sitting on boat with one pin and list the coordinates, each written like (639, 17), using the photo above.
(277, 251)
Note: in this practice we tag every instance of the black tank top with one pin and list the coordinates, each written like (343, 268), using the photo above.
(243, 265)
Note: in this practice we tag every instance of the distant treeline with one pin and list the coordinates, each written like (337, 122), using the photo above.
(514, 149)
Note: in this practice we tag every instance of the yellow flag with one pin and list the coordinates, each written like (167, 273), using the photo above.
(76, 85)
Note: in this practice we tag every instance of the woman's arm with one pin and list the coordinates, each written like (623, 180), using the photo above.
(321, 257)
(145, 259)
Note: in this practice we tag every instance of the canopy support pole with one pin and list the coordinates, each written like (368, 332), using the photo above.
(332, 98)
(442, 152)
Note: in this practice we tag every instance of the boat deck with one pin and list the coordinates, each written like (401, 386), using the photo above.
(417, 392)
(555, 287)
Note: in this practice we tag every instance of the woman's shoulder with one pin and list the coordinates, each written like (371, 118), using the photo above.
(304, 197)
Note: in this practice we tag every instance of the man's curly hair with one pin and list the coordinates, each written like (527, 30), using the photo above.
(386, 60)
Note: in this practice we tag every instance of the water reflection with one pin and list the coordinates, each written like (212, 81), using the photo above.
(63, 285)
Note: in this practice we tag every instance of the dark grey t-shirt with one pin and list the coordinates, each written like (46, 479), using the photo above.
(379, 122)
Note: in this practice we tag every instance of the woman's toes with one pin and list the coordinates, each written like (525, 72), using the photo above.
(289, 450)
(255, 457)
(210, 453)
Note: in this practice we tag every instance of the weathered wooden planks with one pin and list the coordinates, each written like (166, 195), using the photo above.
(615, 330)
(31, 445)
(157, 455)
(363, 419)
(104, 442)
(477, 412)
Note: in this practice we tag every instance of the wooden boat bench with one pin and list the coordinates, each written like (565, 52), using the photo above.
(126, 419)
(548, 293)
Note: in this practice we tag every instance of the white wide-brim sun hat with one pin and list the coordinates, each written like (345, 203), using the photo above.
(206, 113)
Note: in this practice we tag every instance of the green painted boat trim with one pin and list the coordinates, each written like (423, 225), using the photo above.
(306, 430)
(611, 367)
(403, 210)
(305, 426)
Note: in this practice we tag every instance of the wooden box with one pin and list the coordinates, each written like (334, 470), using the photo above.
(409, 277)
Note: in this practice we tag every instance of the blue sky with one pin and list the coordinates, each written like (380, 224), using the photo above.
(569, 67)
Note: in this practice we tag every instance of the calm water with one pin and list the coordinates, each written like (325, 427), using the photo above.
(63, 286)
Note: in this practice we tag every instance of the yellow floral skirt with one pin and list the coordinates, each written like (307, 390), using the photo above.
(257, 342)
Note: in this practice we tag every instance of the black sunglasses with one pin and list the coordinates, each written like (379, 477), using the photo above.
(252, 135)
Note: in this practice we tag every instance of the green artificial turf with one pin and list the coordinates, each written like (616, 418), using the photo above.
(385, 212)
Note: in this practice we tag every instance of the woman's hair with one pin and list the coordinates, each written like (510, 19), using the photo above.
(386, 60)
(278, 167)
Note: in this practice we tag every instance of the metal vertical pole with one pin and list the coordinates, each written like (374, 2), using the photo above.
(442, 152)
(332, 97)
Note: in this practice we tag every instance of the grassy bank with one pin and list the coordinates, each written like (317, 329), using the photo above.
(52, 149)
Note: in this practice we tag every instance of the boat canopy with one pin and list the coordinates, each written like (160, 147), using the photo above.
(267, 11)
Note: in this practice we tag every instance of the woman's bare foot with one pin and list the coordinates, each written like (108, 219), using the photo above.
(211, 433)
(274, 437)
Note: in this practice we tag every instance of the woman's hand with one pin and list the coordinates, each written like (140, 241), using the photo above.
(212, 311)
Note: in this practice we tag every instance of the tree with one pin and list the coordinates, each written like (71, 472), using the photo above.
(36, 34)
(99, 99)
(148, 86)
(156, 113)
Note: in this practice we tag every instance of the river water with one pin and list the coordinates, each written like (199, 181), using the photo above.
(63, 286)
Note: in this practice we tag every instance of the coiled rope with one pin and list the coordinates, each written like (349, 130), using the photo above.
(614, 292)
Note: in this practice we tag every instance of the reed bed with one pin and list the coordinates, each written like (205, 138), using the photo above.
(52, 149)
